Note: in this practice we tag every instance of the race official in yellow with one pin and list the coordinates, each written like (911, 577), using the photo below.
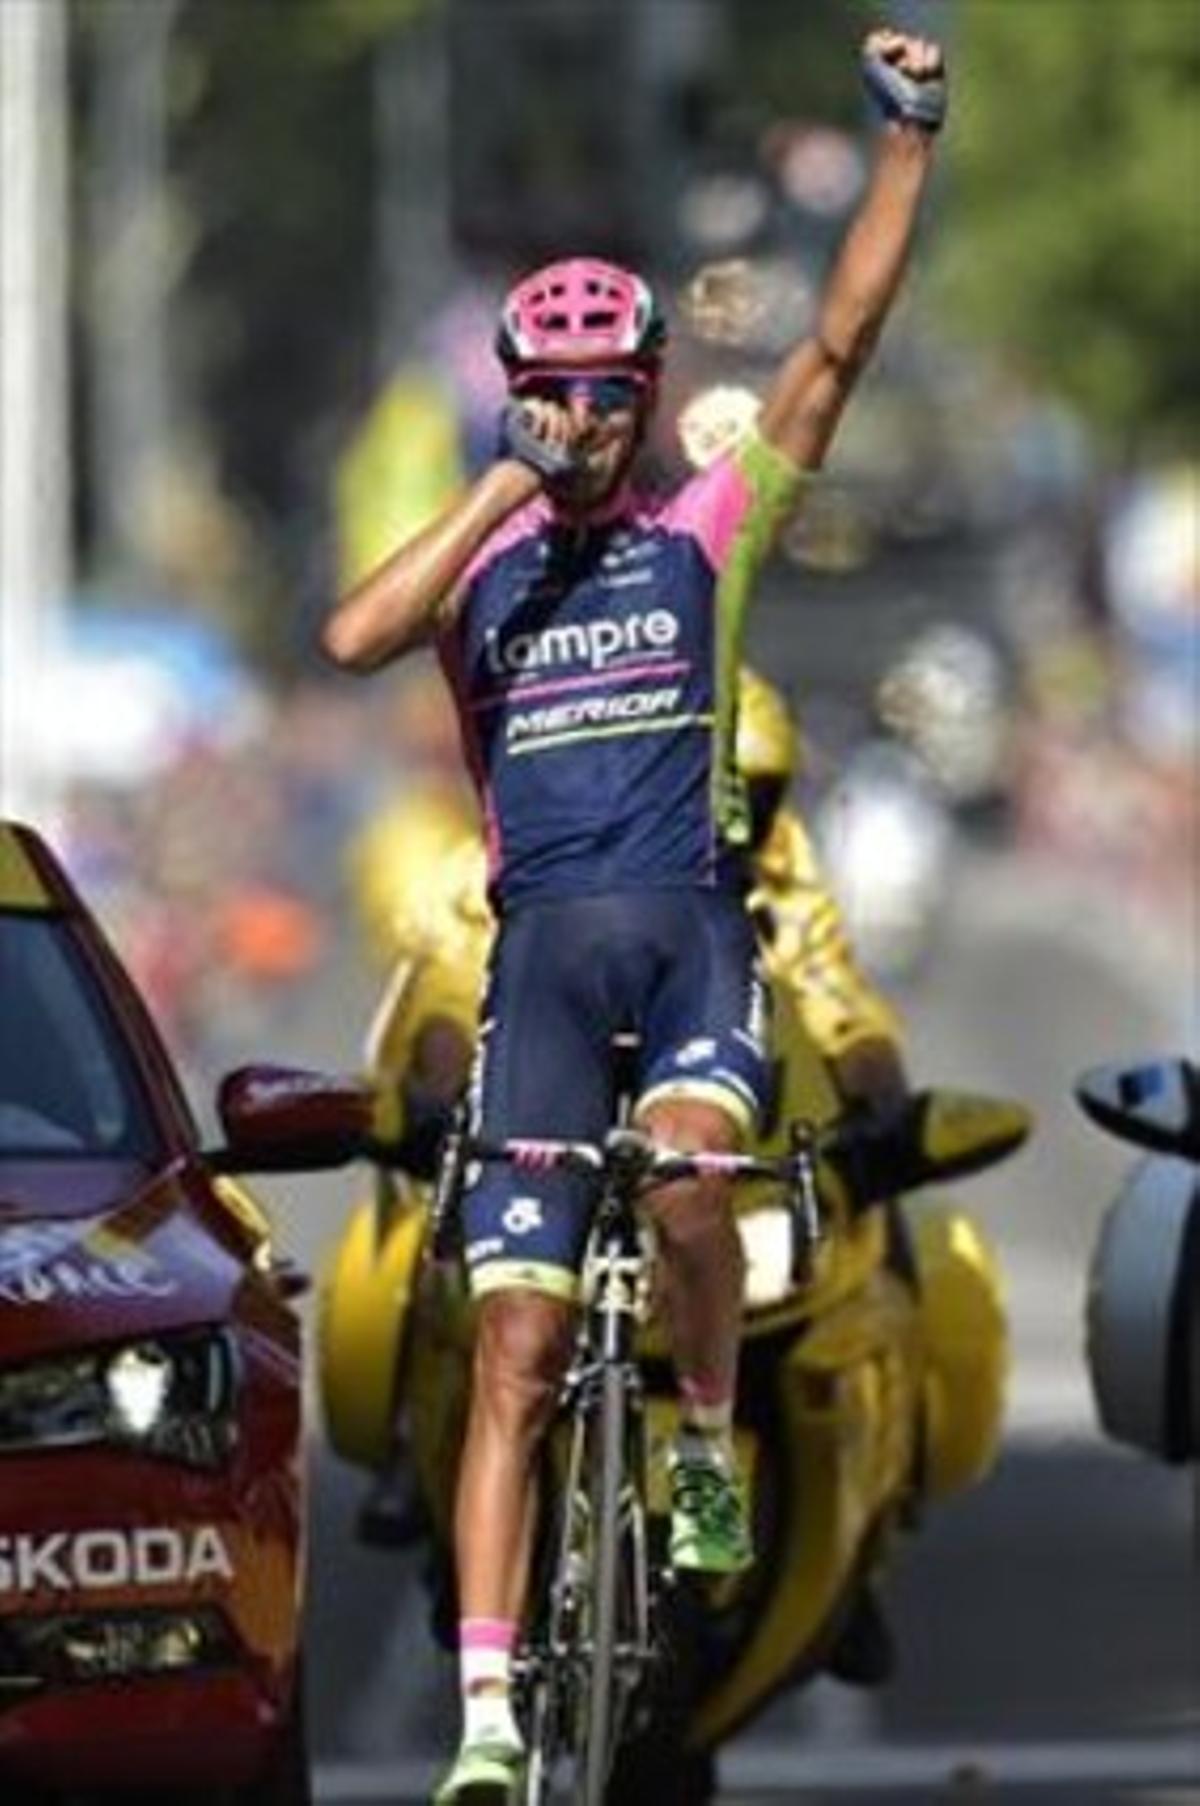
(800, 927)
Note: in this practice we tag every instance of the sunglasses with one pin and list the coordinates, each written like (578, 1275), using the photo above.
(604, 394)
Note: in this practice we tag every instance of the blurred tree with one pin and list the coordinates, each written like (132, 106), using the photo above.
(791, 62)
(267, 180)
(273, 150)
(592, 160)
(1072, 243)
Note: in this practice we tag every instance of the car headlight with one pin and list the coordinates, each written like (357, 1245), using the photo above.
(104, 1646)
(174, 1396)
(139, 1383)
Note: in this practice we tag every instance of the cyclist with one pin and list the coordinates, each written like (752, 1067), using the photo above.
(591, 635)
(418, 874)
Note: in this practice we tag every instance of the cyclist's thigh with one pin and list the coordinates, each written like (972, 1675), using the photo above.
(705, 1027)
(543, 1068)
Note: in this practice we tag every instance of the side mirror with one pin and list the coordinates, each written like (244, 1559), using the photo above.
(282, 1119)
(1154, 1103)
(936, 1135)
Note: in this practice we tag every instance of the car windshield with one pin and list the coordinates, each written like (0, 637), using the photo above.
(68, 1084)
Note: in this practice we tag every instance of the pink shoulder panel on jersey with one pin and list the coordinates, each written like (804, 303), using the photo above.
(518, 526)
(711, 507)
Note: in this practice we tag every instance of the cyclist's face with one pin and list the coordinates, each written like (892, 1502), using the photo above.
(601, 419)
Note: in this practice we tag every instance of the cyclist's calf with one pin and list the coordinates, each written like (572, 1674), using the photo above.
(700, 1251)
(523, 1347)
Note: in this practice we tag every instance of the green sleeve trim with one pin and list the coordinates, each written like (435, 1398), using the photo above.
(775, 484)
(775, 478)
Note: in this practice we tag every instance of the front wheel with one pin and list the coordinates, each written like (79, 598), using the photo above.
(610, 1587)
(548, 1666)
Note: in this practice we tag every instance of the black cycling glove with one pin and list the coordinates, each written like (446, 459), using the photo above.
(519, 440)
(900, 97)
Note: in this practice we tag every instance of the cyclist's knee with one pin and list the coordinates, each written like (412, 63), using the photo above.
(690, 1124)
(695, 1219)
(694, 1213)
(523, 1347)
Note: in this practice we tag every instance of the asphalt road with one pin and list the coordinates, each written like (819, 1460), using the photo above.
(1049, 1622)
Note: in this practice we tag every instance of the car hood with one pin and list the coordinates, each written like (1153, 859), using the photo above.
(130, 1254)
(68, 1187)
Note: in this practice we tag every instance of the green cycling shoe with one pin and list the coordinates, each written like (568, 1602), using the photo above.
(710, 1531)
(487, 1773)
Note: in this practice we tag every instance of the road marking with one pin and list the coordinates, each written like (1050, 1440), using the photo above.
(909, 1767)
(393, 1781)
(885, 1768)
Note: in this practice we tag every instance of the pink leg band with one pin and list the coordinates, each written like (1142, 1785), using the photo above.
(487, 1633)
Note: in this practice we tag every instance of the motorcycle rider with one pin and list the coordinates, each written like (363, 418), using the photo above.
(617, 830)
(801, 928)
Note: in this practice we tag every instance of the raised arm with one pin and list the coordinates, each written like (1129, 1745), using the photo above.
(805, 402)
(413, 594)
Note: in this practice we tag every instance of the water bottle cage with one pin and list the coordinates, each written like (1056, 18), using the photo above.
(618, 1283)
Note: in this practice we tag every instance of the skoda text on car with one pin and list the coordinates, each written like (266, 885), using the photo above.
(150, 1400)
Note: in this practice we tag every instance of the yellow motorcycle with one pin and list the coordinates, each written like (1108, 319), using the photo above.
(871, 1386)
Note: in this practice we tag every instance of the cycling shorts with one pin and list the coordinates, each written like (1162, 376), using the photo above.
(679, 968)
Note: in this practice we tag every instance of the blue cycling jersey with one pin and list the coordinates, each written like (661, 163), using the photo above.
(594, 668)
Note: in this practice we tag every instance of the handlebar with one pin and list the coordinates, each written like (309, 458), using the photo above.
(631, 1154)
(637, 1164)
(936, 1135)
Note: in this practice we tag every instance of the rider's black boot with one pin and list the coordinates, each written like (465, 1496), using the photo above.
(393, 1514)
(864, 1654)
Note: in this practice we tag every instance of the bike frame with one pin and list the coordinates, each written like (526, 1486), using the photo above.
(582, 1671)
(594, 1638)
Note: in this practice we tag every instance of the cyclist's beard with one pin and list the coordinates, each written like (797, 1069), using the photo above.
(601, 472)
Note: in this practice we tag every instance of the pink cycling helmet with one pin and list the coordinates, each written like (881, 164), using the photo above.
(581, 313)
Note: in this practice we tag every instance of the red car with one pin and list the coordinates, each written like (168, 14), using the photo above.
(151, 1515)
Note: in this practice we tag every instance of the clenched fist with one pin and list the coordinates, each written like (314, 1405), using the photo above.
(906, 76)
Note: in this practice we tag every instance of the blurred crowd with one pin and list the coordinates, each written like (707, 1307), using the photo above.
(1064, 722)
(216, 873)
(1038, 679)
(1108, 628)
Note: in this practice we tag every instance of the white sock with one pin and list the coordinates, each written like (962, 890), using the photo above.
(488, 1718)
(699, 1445)
(705, 1426)
(485, 1666)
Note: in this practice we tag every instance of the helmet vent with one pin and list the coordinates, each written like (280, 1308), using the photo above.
(578, 311)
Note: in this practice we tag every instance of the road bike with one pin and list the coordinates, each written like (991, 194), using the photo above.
(596, 1641)
(873, 1350)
